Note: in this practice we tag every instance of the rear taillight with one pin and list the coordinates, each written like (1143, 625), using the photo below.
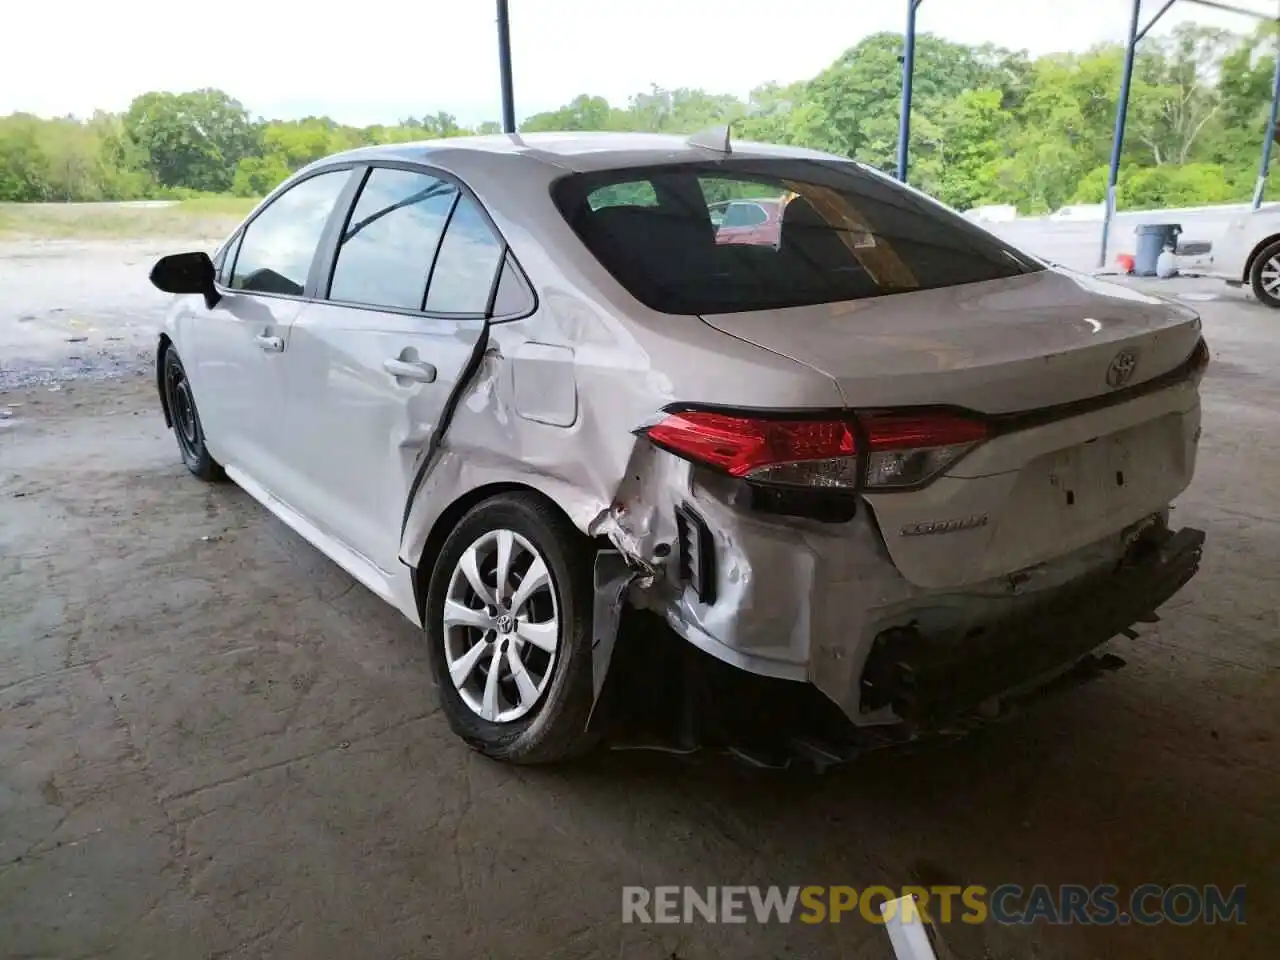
(873, 451)
(908, 449)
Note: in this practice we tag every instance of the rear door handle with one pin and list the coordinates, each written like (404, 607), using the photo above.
(269, 343)
(418, 370)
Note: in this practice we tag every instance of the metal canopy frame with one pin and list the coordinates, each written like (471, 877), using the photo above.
(504, 68)
(1136, 33)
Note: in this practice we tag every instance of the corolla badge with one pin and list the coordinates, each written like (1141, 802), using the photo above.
(928, 527)
(1122, 366)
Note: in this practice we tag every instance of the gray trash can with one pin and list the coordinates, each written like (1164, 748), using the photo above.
(1152, 239)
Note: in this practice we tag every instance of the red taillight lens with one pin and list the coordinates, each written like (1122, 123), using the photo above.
(903, 449)
(741, 445)
(906, 449)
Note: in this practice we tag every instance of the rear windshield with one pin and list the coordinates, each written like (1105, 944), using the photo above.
(734, 235)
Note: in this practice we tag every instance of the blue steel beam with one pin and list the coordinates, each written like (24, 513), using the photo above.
(908, 74)
(1261, 185)
(1122, 109)
(1117, 140)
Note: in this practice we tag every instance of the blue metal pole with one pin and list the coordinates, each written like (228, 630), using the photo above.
(1271, 137)
(1117, 140)
(908, 71)
(504, 68)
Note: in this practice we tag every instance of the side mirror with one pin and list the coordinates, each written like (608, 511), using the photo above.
(186, 273)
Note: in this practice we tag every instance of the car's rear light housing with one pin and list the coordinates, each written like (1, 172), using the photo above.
(880, 450)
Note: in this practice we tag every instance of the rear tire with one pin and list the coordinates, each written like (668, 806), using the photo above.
(186, 421)
(1264, 276)
(533, 627)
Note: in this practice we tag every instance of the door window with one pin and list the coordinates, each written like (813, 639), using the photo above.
(470, 255)
(385, 252)
(514, 298)
(277, 247)
(227, 259)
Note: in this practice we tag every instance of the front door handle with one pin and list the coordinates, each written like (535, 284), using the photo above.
(269, 343)
(418, 370)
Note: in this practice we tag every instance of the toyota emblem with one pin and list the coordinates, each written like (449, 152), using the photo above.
(1122, 366)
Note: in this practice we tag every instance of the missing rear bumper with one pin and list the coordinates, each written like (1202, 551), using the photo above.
(930, 680)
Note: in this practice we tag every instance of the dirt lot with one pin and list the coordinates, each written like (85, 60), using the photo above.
(214, 744)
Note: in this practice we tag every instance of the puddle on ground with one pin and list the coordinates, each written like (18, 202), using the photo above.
(16, 373)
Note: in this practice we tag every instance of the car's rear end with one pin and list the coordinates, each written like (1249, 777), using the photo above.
(983, 501)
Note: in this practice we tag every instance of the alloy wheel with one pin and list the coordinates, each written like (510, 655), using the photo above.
(1270, 276)
(501, 626)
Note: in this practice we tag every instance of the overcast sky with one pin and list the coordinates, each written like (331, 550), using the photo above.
(381, 60)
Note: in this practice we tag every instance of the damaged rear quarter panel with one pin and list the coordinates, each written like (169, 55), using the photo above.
(618, 364)
(555, 406)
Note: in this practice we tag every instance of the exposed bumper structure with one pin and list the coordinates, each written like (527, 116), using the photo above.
(930, 680)
(934, 683)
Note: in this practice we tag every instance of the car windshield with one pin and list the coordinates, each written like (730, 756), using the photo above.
(844, 233)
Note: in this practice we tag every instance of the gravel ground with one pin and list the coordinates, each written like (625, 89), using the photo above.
(215, 744)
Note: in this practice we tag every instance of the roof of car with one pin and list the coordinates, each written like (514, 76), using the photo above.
(579, 152)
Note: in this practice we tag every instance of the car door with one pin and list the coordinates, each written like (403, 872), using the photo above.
(371, 366)
(232, 352)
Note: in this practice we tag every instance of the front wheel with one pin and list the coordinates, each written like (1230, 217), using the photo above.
(1264, 276)
(186, 420)
(508, 622)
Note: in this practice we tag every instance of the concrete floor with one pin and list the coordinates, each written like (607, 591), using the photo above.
(214, 744)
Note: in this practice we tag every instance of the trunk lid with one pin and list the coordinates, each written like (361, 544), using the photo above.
(999, 346)
(1024, 498)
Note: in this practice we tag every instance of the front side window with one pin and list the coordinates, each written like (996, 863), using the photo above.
(470, 254)
(387, 248)
(277, 247)
(227, 259)
(844, 233)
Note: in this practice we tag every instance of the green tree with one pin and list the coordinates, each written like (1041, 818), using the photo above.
(24, 169)
(583, 112)
(988, 125)
(192, 139)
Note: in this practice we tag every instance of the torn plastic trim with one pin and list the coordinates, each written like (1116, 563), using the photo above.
(613, 579)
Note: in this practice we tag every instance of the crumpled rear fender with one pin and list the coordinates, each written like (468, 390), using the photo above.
(582, 466)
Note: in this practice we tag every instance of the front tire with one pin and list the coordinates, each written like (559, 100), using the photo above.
(508, 623)
(186, 421)
(1264, 276)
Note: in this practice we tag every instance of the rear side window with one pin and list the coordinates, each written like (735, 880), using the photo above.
(467, 264)
(513, 297)
(385, 252)
(844, 233)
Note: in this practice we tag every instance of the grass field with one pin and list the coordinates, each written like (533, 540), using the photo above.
(211, 217)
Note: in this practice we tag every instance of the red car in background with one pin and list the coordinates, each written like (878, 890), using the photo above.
(752, 220)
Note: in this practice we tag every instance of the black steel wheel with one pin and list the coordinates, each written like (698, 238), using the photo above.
(186, 420)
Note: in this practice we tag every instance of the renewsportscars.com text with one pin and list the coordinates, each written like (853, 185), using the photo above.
(1105, 904)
